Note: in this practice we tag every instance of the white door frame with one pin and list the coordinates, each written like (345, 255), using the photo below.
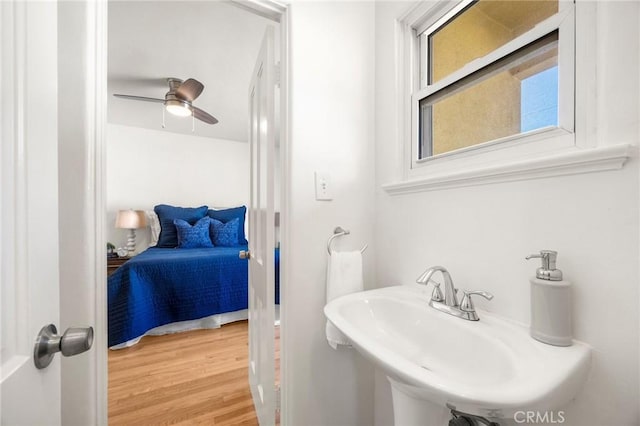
(97, 31)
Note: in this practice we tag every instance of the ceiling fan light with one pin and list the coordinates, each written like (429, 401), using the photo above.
(179, 108)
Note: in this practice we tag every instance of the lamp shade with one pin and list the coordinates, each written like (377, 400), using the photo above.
(131, 219)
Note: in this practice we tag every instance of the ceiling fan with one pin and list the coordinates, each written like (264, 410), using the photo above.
(179, 99)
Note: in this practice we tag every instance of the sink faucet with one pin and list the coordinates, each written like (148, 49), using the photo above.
(450, 298)
(449, 303)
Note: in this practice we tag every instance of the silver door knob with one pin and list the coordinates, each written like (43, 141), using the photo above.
(74, 341)
(244, 254)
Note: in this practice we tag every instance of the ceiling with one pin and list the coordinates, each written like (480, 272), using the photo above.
(214, 42)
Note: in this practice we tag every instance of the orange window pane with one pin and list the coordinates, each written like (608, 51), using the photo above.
(515, 95)
(480, 29)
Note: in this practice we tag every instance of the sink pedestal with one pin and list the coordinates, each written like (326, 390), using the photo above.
(411, 411)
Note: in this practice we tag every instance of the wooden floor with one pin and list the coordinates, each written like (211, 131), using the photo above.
(196, 377)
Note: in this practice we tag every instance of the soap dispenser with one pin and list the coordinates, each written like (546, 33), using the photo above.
(550, 302)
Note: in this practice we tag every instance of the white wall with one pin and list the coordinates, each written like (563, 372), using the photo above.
(482, 234)
(148, 167)
(332, 61)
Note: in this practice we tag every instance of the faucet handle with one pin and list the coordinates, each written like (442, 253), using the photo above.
(467, 304)
(436, 296)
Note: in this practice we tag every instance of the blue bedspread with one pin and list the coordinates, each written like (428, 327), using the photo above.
(164, 285)
(161, 286)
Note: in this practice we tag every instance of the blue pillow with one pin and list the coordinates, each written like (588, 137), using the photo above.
(224, 234)
(195, 236)
(227, 215)
(167, 214)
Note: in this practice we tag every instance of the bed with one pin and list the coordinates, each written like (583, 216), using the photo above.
(165, 290)
(191, 277)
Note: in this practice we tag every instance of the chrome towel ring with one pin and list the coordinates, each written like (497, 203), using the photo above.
(339, 232)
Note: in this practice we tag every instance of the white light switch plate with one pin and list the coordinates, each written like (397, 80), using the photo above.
(323, 187)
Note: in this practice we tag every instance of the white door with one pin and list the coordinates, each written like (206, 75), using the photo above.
(29, 289)
(261, 233)
(29, 212)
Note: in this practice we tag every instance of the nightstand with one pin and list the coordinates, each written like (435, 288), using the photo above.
(114, 263)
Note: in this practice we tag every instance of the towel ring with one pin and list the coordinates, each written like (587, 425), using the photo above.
(339, 232)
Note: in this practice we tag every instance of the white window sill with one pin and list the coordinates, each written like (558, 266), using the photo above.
(571, 163)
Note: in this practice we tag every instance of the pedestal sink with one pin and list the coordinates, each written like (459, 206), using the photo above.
(490, 368)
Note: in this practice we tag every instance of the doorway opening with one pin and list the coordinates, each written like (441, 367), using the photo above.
(178, 317)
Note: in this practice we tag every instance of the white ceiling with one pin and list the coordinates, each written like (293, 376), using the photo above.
(214, 42)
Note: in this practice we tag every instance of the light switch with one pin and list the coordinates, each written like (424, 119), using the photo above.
(323, 187)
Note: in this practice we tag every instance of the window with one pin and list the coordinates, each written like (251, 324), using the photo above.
(526, 78)
(492, 71)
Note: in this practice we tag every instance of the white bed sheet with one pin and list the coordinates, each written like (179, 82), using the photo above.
(213, 321)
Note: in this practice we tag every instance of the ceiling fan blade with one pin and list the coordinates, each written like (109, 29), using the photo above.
(189, 89)
(139, 98)
(204, 116)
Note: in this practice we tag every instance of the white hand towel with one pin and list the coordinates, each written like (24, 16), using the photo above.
(344, 276)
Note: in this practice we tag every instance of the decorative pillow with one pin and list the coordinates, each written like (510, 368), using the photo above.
(167, 214)
(227, 215)
(195, 236)
(154, 226)
(224, 234)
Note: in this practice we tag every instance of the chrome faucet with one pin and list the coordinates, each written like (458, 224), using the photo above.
(449, 303)
(450, 298)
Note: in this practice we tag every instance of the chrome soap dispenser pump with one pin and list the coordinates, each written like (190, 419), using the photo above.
(548, 269)
(550, 302)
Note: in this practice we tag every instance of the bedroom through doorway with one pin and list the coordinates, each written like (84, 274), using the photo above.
(178, 209)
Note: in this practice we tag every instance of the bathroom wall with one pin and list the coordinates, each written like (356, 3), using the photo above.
(332, 131)
(148, 167)
(482, 233)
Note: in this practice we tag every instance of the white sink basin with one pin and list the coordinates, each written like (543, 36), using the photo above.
(491, 367)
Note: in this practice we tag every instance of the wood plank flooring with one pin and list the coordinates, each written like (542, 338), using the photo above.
(196, 377)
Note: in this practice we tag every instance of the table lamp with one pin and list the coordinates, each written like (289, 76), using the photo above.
(131, 220)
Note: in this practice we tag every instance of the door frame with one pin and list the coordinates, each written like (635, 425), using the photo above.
(97, 35)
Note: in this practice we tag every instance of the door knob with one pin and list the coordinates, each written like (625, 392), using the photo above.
(244, 254)
(74, 341)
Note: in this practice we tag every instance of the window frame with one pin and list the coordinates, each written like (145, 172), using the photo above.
(542, 153)
(563, 22)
